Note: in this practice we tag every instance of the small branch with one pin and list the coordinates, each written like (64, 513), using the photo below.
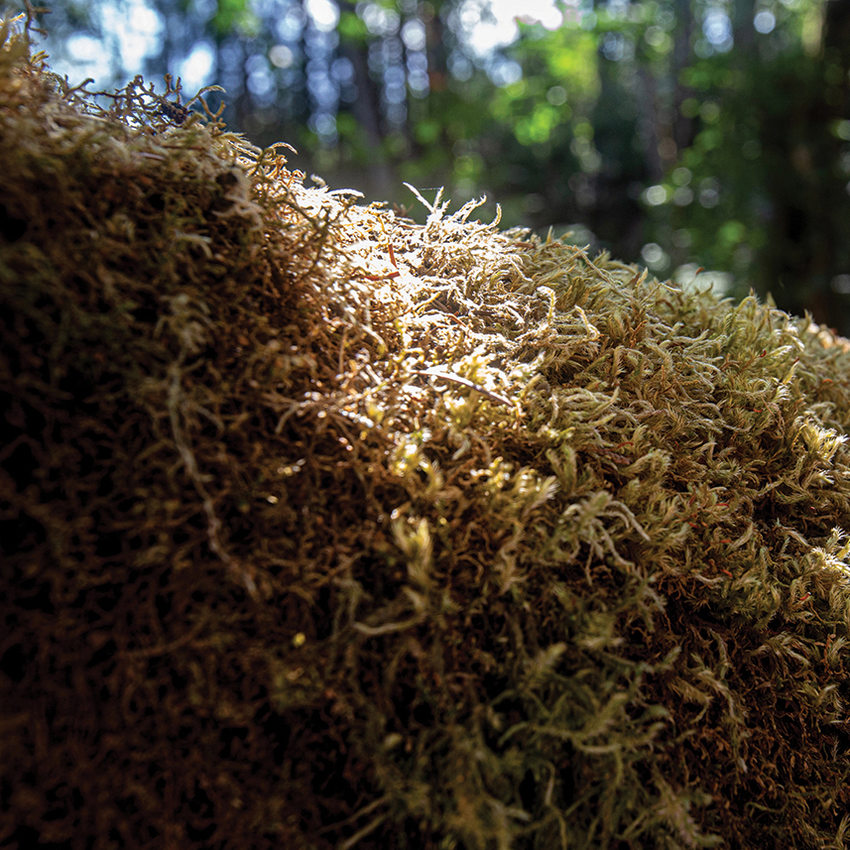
(464, 382)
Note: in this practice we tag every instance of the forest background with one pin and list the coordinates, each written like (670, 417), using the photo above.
(680, 134)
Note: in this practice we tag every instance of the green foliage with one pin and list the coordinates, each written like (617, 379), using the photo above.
(760, 189)
(234, 16)
(352, 27)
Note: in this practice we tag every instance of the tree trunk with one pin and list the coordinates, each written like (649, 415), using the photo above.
(808, 245)
(743, 31)
(367, 108)
(684, 128)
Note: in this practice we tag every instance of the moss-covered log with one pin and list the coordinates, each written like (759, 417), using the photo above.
(321, 528)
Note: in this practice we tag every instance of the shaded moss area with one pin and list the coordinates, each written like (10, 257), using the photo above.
(325, 529)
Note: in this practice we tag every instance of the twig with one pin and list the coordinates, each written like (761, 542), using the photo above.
(465, 382)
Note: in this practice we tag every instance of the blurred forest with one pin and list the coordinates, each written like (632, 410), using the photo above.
(676, 133)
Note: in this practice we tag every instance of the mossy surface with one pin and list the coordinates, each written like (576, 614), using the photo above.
(321, 528)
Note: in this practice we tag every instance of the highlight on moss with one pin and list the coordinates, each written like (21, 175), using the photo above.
(325, 528)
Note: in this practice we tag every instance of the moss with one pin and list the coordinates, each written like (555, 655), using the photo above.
(324, 528)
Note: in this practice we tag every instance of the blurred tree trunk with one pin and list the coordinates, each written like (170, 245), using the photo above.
(808, 244)
(435, 46)
(830, 199)
(436, 55)
(612, 208)
(242, 105)
(743, 30)
(683, 126)
(650, 121)
(367, 108)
